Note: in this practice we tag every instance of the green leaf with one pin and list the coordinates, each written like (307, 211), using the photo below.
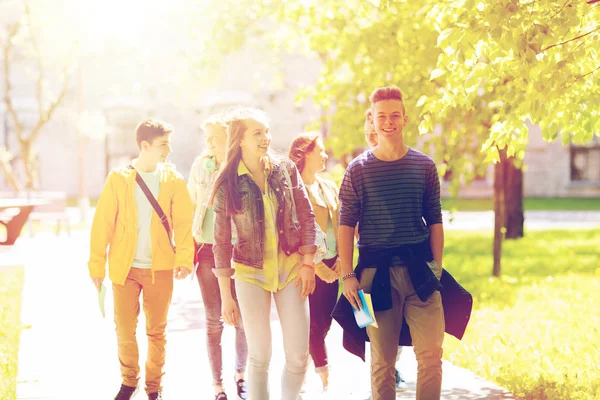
(436, 73)
(421, 100)
(530, 55)
(445, 34)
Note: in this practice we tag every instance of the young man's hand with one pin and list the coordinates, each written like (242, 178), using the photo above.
(180, 272)
(351, 288)
(97, 282)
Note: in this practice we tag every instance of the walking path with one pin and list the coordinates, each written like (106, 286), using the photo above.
(484, 220)
(534, 220)
(69, 352)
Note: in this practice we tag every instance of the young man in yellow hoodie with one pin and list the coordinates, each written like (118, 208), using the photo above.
(142, 255)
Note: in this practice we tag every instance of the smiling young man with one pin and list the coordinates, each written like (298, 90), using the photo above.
(142, 256)
(393, 193)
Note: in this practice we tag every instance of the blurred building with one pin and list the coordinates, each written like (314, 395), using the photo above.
(117, 86)
(550, 170)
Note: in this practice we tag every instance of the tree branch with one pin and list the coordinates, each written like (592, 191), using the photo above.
(589, 73)
(570, 40)
(576, 48)
(39, 86)
(46, 115)
(577, 79)
(560, 10)
(7, 47)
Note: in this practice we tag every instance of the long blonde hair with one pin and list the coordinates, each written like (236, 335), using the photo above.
(237, 125)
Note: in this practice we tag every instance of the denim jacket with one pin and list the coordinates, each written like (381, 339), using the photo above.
(248, 248)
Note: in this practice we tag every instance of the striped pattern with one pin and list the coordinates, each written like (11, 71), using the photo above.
(392, 201)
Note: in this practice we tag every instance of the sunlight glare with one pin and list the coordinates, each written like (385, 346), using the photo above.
(117, 19)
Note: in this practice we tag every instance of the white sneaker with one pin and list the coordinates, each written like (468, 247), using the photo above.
(401, 385)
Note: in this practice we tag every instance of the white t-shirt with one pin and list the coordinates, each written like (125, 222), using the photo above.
(143, 250)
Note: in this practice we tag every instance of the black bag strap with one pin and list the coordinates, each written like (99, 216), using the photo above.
(155, 205)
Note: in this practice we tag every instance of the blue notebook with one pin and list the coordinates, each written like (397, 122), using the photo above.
(365, 316)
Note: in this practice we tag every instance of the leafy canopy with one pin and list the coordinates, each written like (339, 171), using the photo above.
(480, 70)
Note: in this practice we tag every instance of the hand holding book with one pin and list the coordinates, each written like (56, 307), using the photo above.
(365, 316)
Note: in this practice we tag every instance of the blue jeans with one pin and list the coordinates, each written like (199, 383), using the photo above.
(209, 287)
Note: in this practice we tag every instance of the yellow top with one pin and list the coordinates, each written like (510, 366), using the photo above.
(278, 268)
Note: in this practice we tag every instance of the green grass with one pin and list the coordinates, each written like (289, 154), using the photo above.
(536, 330)
(529, 203)
(11, 284)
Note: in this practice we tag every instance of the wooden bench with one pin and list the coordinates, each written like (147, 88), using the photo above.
(14, 213)
(53, 210)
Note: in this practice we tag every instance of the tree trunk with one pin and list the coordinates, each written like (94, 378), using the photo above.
(7, 169)
(29, 165)
(513, 200)
(499, 212)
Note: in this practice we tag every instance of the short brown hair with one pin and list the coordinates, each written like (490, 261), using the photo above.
(150, 129)
(386, 93)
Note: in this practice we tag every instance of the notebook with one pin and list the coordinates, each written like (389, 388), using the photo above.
(365, 316)
(101, 296)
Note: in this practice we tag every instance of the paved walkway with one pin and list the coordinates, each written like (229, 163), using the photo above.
(484, 220)
(534, 220)
(69, 352)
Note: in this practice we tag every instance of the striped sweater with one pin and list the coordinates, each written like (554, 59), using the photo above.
(393, 202)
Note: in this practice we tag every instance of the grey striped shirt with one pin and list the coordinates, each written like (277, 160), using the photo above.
(393, 202)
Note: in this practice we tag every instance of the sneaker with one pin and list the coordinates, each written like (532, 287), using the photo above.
(242, 389)
(401, 385)
(125, 393)
(155, 396)
(221, 396)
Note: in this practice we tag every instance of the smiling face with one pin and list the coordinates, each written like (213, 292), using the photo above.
(215, 138)
(389, 118)
(158, 151)
(256, 139)
(316, 160)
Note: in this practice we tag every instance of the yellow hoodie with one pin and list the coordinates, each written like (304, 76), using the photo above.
(115, 225)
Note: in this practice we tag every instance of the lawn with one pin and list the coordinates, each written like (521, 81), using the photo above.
(11, 284)
(536, 330)
(529, 204)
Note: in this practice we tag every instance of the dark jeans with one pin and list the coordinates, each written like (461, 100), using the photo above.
(209, 287)
(321, 304)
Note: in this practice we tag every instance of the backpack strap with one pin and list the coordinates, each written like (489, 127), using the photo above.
(155, 205)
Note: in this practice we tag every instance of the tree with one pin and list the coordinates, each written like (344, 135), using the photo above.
(478, 69)
(23, 37)
(539, 59)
